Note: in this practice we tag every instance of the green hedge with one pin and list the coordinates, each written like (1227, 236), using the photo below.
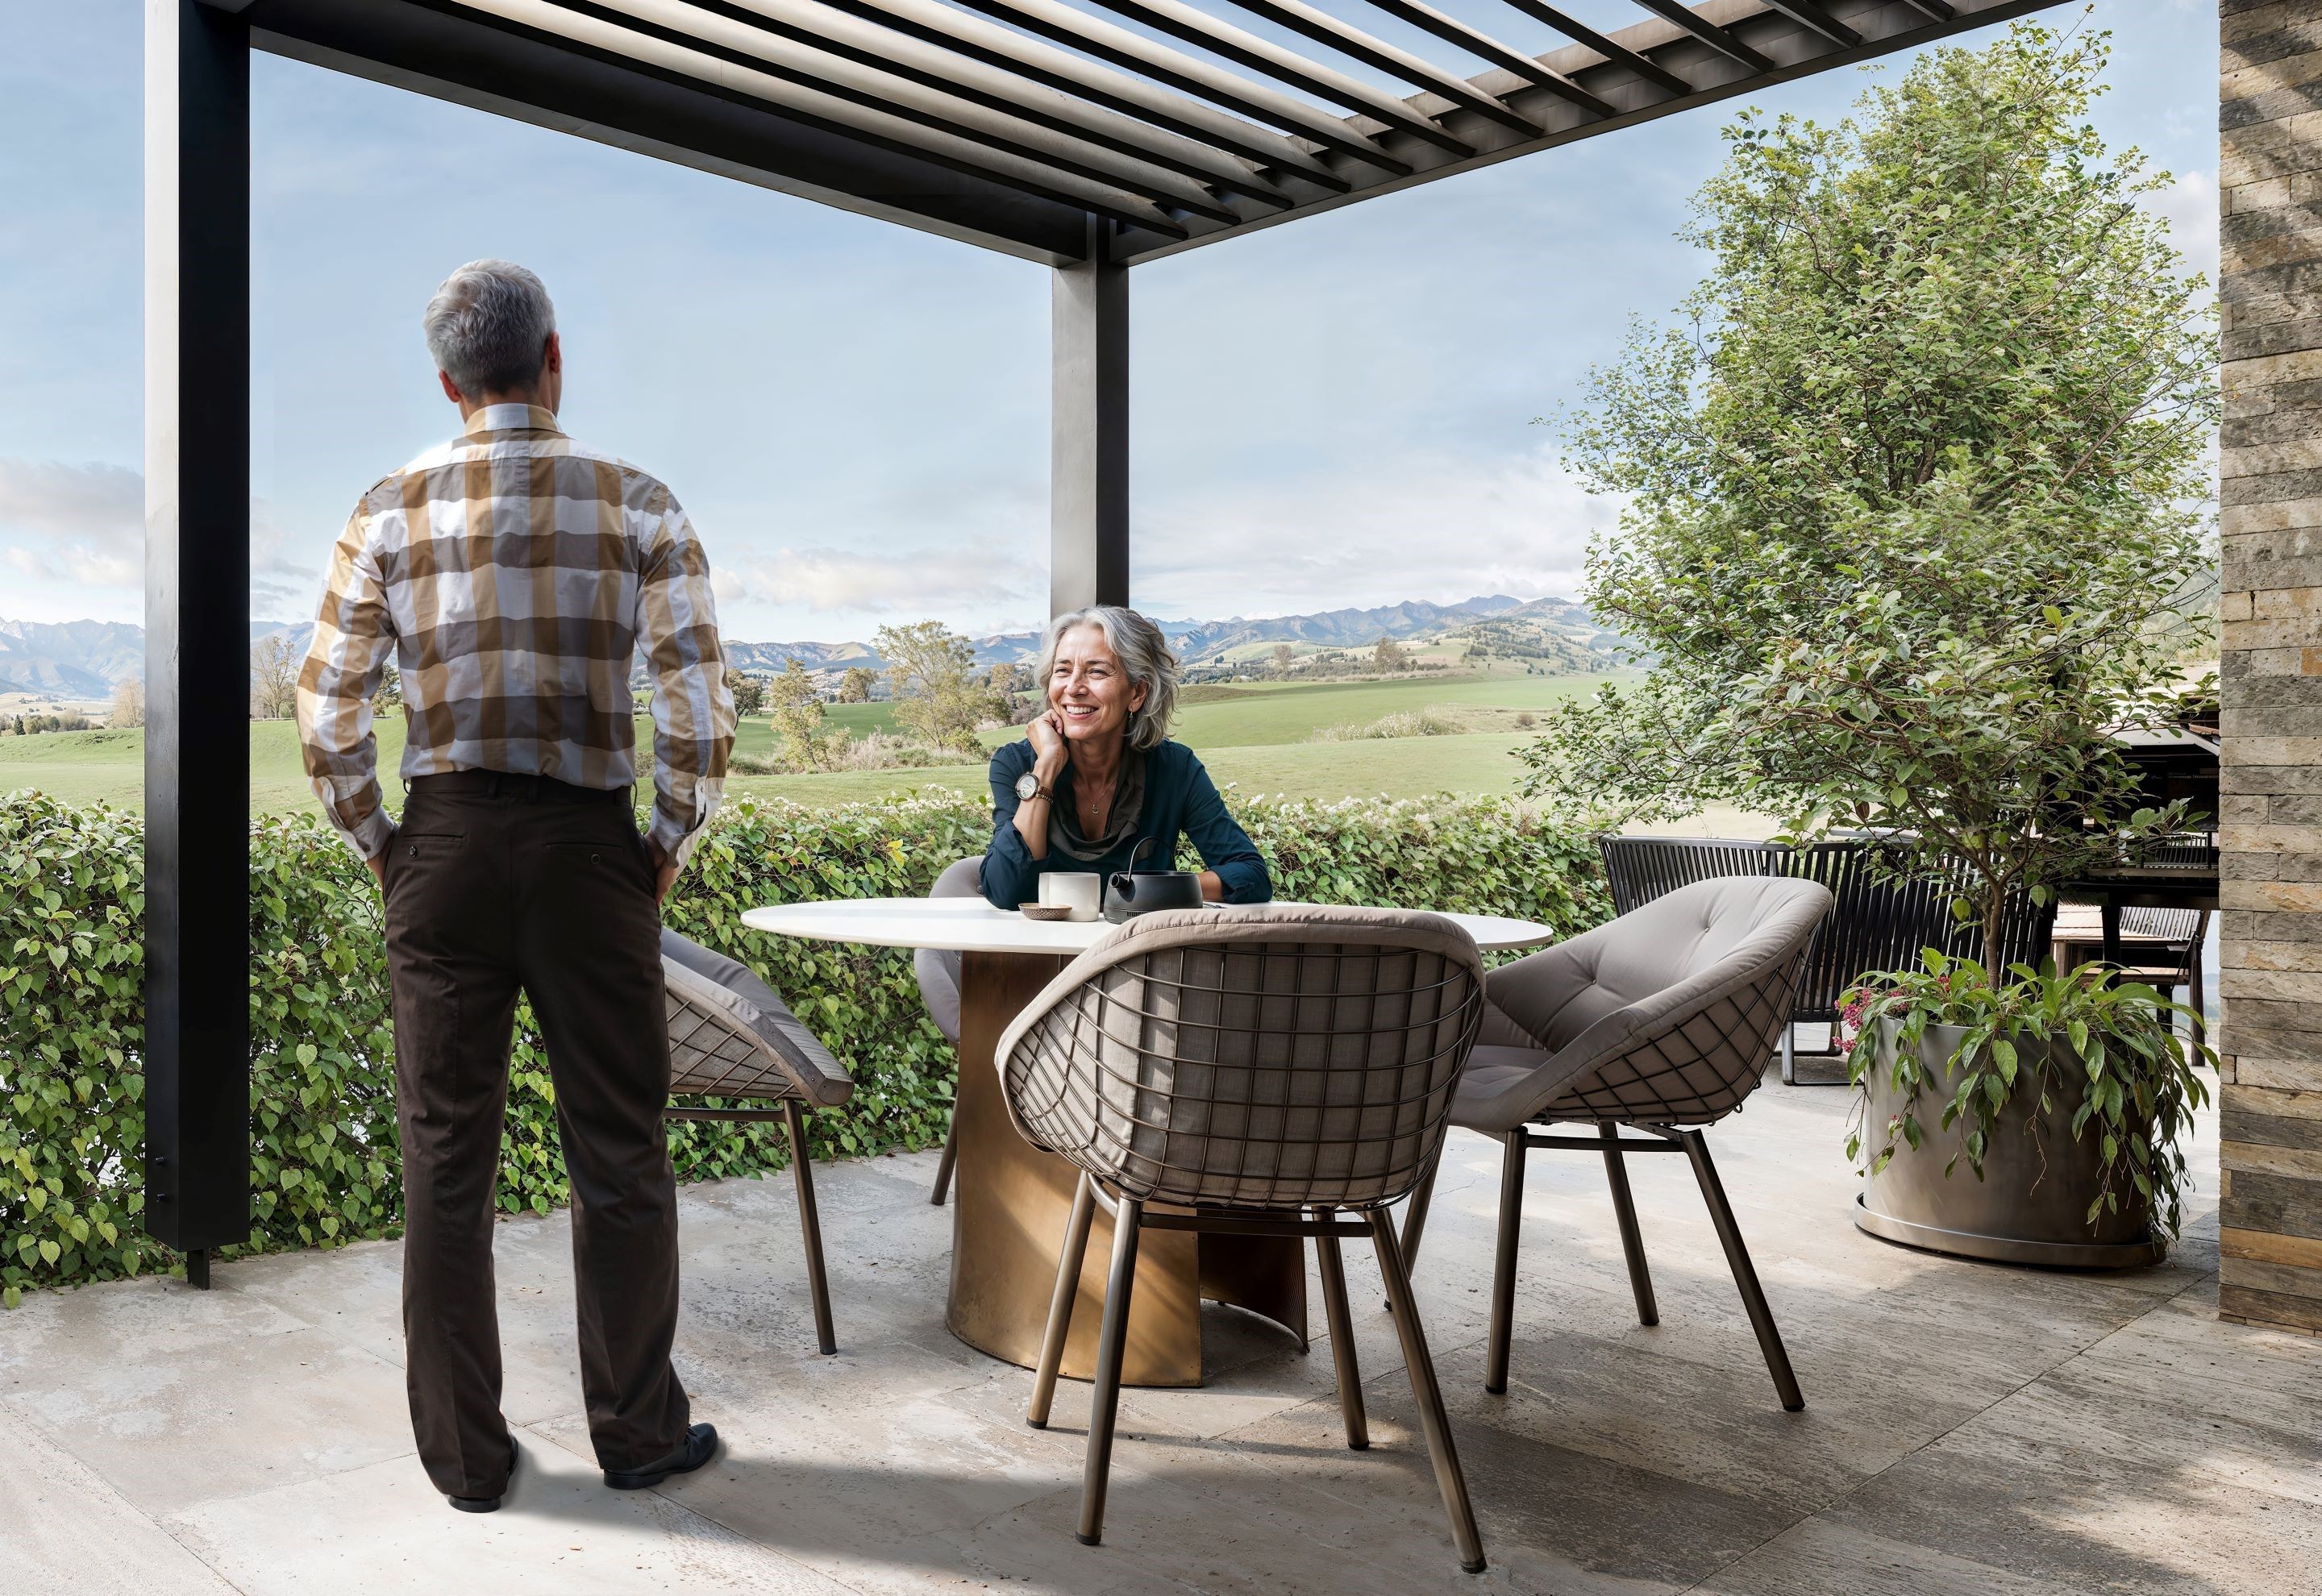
(322, 1078)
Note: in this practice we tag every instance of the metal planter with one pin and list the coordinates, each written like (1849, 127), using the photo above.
(2031, 1205)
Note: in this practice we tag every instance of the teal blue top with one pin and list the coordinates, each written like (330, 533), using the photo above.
(1180, 800)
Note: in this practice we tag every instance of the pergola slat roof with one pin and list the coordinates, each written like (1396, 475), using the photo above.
(1011, 123)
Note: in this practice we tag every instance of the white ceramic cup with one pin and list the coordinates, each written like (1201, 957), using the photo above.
(1082, 892)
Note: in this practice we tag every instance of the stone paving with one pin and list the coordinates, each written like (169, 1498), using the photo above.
(1969, 1428)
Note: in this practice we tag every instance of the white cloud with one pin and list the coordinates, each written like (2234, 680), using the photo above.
(2190, 207)
(1435, 528)
(79, 525)
(919, 580)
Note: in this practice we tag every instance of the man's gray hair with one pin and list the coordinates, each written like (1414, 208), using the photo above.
(488, 326)
(1144, 654)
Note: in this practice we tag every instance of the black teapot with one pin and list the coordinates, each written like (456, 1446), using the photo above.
(1142, 891)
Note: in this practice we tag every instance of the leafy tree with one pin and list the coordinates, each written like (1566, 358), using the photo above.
(796, 710)
(749, 692)
(938, 697)
(1914, 493)
(1390, 655)
(1284, 660)
(854, 686)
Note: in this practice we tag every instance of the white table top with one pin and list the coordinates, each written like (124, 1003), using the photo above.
(972, 925)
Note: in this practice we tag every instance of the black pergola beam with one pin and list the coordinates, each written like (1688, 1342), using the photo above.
(1088, 461)
(447, 53)
(196, 630)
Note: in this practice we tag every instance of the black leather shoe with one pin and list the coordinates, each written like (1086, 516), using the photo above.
(699, 1447)
(487, 1504)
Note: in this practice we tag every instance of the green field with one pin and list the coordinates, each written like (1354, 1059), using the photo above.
(1253, 737)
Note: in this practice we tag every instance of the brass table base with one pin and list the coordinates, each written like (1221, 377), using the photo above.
(1009, 1203)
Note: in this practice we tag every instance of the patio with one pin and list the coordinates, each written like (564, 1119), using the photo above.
(1962, 1422)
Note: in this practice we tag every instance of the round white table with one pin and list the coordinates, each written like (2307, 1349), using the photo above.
(1010, 1201)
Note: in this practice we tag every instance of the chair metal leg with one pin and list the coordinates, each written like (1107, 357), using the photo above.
(1790, 1063)
(1745, 1277)
(810, 1225)
(1342, 1335)
(1632, 1240)
(1434, 1424)
(950, 1157)
(1104, 1404)
(1060, 1303)
(1503, 1265)
(1414, 1212)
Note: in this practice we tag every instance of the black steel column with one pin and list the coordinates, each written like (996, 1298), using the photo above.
(1088, 465)
(196, 628)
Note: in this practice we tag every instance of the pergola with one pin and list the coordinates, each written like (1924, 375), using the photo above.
(1033, 127)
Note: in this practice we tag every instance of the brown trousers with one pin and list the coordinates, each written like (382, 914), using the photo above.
(496, 883)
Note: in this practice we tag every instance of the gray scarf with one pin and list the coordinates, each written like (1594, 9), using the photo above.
(1121, 823)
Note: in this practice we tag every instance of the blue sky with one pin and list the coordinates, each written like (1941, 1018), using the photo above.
(1337, 411)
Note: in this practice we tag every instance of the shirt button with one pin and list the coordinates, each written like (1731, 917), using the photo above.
(412, 852)
(596, 859)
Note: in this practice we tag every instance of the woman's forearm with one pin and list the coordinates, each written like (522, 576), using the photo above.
(1213, 886)
(1031, 822)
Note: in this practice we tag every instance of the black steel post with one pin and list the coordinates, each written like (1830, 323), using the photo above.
(196, 628)
(1088, 461)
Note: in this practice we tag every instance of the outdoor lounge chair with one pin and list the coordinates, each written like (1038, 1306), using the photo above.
(1277, 1069)
(937, 970)
(731, 1036)
(1661, 1021)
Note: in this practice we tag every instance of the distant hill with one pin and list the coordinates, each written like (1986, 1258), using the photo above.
(75, 659)
(84, 660)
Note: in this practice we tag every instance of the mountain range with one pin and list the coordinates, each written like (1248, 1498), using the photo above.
(85, 660)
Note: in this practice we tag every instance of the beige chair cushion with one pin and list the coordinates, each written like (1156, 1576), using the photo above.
(731, 1034)
(1664, 1016)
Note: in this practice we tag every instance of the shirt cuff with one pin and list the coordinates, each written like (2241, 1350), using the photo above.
(370, 837)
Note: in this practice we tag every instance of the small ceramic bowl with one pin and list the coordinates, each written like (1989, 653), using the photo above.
(1045, 911)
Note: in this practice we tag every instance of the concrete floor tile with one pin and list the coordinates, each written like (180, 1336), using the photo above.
(65, 1531)
(244, 1414)
(384, 1529)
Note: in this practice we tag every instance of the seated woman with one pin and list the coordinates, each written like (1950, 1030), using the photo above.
(1097, 778)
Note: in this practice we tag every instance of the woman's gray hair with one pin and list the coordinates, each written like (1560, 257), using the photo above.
(1144, 654)
(488, 326)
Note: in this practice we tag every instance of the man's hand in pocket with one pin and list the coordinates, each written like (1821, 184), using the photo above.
(664, 870)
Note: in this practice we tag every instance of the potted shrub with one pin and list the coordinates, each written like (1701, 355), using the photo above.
(1913, 528)
(2064, 1095)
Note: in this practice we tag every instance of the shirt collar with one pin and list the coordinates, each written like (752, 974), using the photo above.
(511, 419)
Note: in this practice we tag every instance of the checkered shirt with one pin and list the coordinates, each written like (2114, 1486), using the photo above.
(513, 575)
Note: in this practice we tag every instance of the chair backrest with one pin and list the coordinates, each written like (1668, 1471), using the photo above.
(731, 1034)
(1666, 1016)
(937, 969)
(1641, 869)
(1273, 1057)
(1883, 924)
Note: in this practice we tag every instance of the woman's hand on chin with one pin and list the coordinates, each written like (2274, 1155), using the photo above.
(1046, 732)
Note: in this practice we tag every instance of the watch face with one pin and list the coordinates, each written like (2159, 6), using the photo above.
(1026, 786)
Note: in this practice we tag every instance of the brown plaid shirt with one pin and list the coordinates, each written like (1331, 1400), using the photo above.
(513, 575)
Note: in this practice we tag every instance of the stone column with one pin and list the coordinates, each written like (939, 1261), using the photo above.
(2270, 289)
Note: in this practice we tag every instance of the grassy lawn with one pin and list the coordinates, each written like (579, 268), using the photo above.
(1253, 735)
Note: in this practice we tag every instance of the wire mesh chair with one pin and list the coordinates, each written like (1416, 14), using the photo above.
(731, 1037)
(1262, 1070)
(1661, 1021)
(937, 970)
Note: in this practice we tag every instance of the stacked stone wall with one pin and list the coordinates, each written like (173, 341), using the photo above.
(2269, 291)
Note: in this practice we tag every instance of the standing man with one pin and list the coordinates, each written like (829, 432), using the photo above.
(512, 575)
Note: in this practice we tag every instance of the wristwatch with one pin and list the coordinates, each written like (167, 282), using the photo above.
(1027, 787)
